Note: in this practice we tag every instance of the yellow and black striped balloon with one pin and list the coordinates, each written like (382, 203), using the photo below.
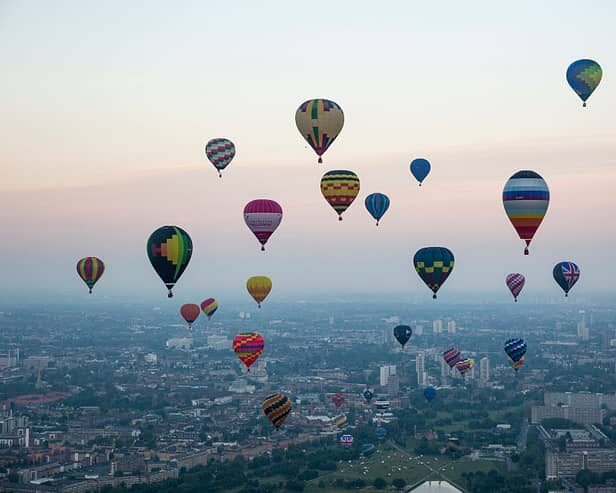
(277, 407)
(340, 187)
(90, 269)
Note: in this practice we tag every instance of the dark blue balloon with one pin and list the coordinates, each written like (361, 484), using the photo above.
(429, 393)
(377, 205)
(420, 168)
(380, 432)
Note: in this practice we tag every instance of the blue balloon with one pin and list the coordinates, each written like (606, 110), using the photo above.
(420, 168)
(377, 205)
(429, 393)
(380, 432)
(584, 76)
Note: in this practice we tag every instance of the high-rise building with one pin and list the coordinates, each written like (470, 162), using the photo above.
(420, 367)
(419, 330)
(451, 326)
(437, 326)
(484, 370)
(386, 372)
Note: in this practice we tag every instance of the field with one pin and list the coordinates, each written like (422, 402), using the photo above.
(390, 463)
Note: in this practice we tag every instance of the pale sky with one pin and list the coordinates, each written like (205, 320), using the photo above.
(107, 107)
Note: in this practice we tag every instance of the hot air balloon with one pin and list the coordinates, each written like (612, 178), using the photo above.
(434, 264)
(262, 216)
(452, 356)
(526, 198)
(340, 421)
(190, 312)
(429, 393)
(566, 274)
(380, 432)
(209, 307)
(90, 269)
(368, 394)
(276, 407)
(584, 76)
(368, 449)
(420, 168)
(319, 121)
(169, 249)
(346, 440)
(220, 152)
(377, 205)
(403, 333)
(464, 365)
(515, 349)
(340, 187)
(515, 283)
(259, 287)
(248, 347)
(338, 400)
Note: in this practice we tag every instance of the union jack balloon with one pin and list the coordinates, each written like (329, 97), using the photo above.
(566, 274)
(515, 283)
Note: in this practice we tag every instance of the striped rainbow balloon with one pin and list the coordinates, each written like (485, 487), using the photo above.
(526, 198)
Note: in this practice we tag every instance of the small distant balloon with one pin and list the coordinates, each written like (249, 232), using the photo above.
(209, 307)
(277, 407)
(259, 287)
(515, 349)
(420, 168)
(338, 400)
(566, 274)
(248, 347)
(465, 365)
(220, 152)
(263, 216)
(515, 283)
(90, 269)
(380, 432)
(346, 440)
(584, 76)
(377, 205)
(190, 312)
(368, 394)
(403, 333)
(429, 393)
(340, 187)
(340, 421)
(433, 265)
(319, 121)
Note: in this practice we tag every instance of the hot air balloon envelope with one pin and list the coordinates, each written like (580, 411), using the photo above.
(377, 205)
(420, 168)
(403, 333)
(248, 347)
(434, 264)
(220, 152)
(259, 287)
(526, 198)
(90, 269)
(169, 250)
(319, 121)
(515, 282)
(190, 312)
(263, 216)
(566, 274)
(209, 307)
(584, 76)
(429, 393)
(277, 407)
(340, 187)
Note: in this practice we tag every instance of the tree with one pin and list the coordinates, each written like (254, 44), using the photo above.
(398, 483)
(379, 483)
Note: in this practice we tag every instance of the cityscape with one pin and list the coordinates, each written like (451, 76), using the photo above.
(122, 395)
